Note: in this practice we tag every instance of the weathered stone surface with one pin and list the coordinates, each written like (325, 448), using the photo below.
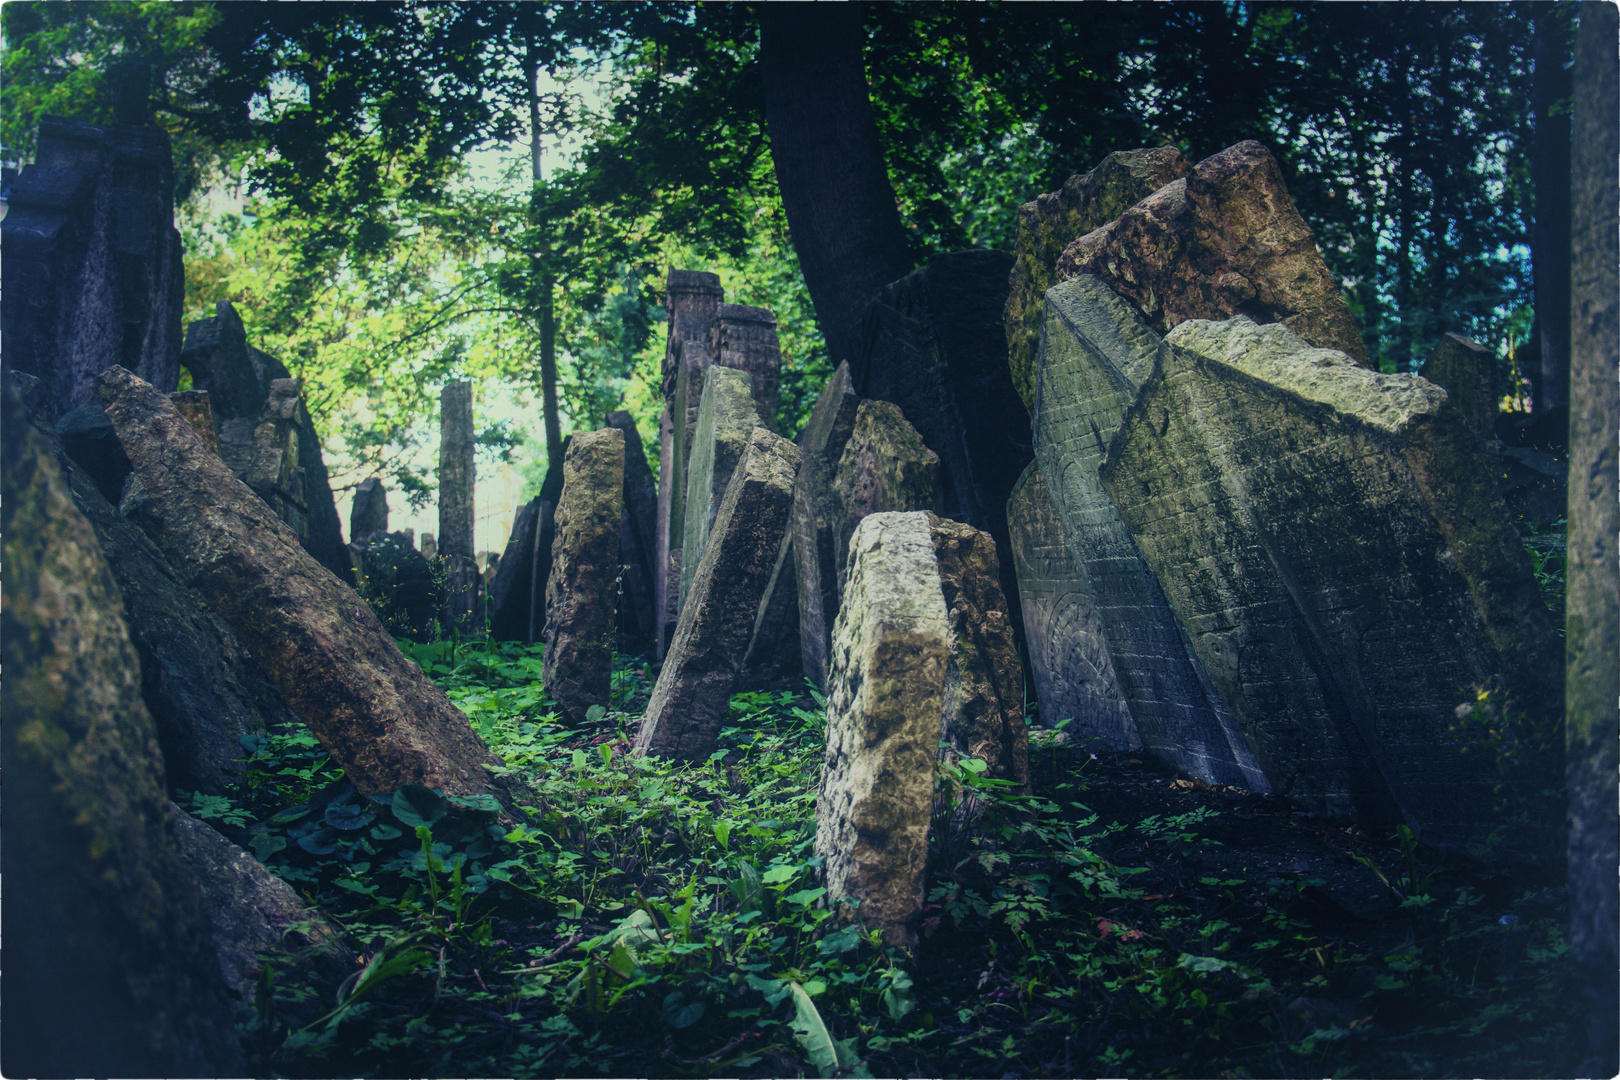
(582, 585)
(316, 640)
(94, 261)
(1095, 351)
(430, 546)
(693, 694)
(664, 611)
(1225, 240)
(885, 467)
(398, 582)
(744, 338)
(88, 438)
(1466, 371)
(1335, 547)
(891, 648)
(773, 651)
(203, 690)
(1068, 651)
(725, 419)
(691, 300)
(238, 380)
(638, 539)
(1050, 223)
(983, 697)
(815, 515)
(1592, 608)
(250, 910)
(933, 344)
(545, 536)
(109, 967)
(198, 410)
(269, 464)
(512, 586)
(369, 513)
(456, 509)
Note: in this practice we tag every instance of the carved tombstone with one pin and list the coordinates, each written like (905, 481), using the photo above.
(1466, 371)
(885, 467)
(511, 587)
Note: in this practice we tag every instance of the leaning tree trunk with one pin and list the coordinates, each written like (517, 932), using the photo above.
(1549, 177)
(317, 641)
(1592, 614)
(110, 965)
(829, 165)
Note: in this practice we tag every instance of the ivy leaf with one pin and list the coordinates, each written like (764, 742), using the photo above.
(841, 942)
(320, 842)
(680, 1013)
(266, 845)
(415, 806)
(347, 816)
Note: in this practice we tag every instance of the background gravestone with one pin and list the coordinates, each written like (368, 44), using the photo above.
(891, 645)
(581, 586)
(638, 538)
(1095, 352)
(1073, 676)
(369, 513)
(457, 471)
(510, 588)
(1467, 372)
(744, 338)
(1050, 223)
(1333, 542)
(815, 516)
(725, 419)
(885, 467)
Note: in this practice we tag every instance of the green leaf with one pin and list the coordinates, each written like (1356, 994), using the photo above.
(636, 929)
(748, 887)
(386, 832)
(778, 874)
(722, 834)
(348, 816)
(841, 942)
(1203, 963)
(680, 1013)
(897, 995)
(595, 713)
(266, 845)
(825, 1054)
(806, 897)
(622, 960)
(321, 842)
(415, 806)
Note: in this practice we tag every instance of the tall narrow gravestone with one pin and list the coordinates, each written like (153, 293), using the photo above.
(637, 538)
(369, 514)
(725, 419)
(885, 467)
(456, 477)
(814, 517)
(693, 695)
(743, 338)
(891, 645)
(582, 583)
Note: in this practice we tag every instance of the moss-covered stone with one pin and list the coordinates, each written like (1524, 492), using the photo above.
(726, 416)
(885, 467)
(1050, 223)
(815, 517)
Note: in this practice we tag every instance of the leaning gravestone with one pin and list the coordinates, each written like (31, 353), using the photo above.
(1068, 652)
(983, 706)
(934, 344)
(110, 970)
(511, 587)
(815, 517)
(725, 419)
(580, 592)
(885, 467)
(693, 694)
(1050, 223)
(456, 512)
(1224, 240)
(1095, 352)
(269, 463)
(1466, 371)
(320, 645)
(1333, 541)
(638, 537)
(369, 514)
(891, 647)
(743, 338)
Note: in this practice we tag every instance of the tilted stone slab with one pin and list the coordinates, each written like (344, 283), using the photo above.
(638, 538)
(744, 338)
(582, 587)
(369, 513)
(934, 344)
(692, 697)
(198, 410)
(885, 696)
(1050, 223)
(1225, 240)
(1467, 372)
(885, 467)
(1068, 652)
(815, 518)
(512, 586)
(664, 613)
(983, 696)
(319, 644)
(1095, 352)
(725, 419)
(1333, 542)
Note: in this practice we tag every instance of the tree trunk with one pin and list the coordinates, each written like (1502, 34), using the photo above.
(1592, 612)
(543, 283)
(829, 165)
(1549, 177)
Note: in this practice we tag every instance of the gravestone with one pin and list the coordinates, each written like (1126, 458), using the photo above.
(934, 344)
(581, 587)
(319, 644)
(237, 379)
(665, 612)
(430, 546)
(1073, 674)
(88, 438)
(725, 418)
(545, 536)
(110, 969)
(638, 538)
(1224, 240)
(885, 467)
(692, 697)
(198, 410)
(512, 585)
(269, 464)
(815, 517)
(891, 647)
(1467, 372)
(743, 338)
(1050, 223)
(1333, 542)
(93, 260)
(983, 703)
(369, 513)
(399, 583)
(456, 512)
(1095, 353)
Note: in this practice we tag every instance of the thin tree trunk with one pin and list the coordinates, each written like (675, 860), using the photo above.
(829, 164)
(544, 284)
(1549, 177)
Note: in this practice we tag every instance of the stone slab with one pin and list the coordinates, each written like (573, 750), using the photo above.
(725, 418)
(885, 467)
(638, 539)
(369, 512)
(744, 338)
(815, 506)
(1467, 372)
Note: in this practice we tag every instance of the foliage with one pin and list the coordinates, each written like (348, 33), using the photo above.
(644, 917)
